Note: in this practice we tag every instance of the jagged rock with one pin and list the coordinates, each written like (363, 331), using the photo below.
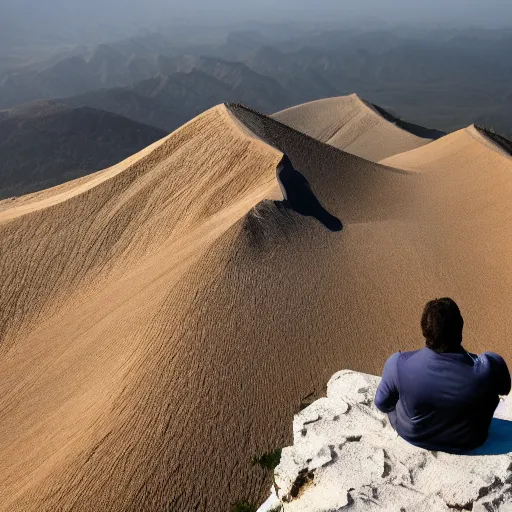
(346, 456)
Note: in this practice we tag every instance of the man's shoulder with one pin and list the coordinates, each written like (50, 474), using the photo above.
(393, 359)
(411, 353)
(492, 359)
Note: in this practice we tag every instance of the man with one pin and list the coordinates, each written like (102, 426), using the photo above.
(442, 397)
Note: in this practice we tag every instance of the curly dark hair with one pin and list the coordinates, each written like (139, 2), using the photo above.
(442, 325)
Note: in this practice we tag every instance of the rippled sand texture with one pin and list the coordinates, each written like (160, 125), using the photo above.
(162, 319)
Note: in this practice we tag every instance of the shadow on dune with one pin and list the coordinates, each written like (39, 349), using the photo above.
(504, 142)
(299, 197)
(419, 131)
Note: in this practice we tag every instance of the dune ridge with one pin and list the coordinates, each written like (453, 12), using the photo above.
(91, 265)
(116, 205)
(463, 149)
(351, 124)
(505, 143)
(162, 321)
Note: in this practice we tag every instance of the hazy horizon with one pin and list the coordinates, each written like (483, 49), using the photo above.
(59, 16)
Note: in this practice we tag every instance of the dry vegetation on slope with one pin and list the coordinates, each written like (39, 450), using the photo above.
(160, 322)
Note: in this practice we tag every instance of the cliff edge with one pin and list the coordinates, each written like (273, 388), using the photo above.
(346, 456)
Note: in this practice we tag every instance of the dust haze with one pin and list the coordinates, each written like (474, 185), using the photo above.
(59, 16)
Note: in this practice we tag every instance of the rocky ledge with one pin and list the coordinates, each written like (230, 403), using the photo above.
(346, 456)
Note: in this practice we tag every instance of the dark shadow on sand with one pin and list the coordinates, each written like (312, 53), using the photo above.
(419, 131)
(299, 197)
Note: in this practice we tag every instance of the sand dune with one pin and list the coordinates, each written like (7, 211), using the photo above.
(466, 148)
(162, 319)
(351, 124)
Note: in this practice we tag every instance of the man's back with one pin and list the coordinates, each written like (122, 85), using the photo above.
(442, 401)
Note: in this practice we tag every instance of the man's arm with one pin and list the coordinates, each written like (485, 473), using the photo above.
(500, 373)
(387, 392)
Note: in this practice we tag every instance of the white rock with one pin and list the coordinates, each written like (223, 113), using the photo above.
(322, 458)
(346, 456)
(271, 504)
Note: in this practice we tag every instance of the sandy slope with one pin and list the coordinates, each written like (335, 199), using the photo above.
(161, 321)
(351, 124)
(466, 148)
(86, 272)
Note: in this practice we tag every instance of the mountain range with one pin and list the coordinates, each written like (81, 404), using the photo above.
(439, 78)
(46, 143)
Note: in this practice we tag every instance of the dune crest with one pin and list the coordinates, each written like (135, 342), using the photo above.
(162, 320)
(88, 265)
(464, 149)
(351, 124)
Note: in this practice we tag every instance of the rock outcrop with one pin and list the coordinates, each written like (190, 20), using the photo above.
(346, 456)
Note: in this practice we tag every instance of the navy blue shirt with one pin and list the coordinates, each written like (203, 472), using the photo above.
(442, 401)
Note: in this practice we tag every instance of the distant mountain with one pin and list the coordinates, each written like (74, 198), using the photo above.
(169, 101)
(46, 143)
(190, 92)
(131, 104)
(448, 78)
(448, 84)
(66, 77)
(240, 44)
(106, 66)
(125, 63)
(261, 92)
(326, 64)
(212, 81)
(346, 41)
(298, 74)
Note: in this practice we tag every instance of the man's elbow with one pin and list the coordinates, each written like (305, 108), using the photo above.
(384, 405)
(505, 387)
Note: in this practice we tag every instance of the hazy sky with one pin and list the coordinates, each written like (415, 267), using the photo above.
(52, 13)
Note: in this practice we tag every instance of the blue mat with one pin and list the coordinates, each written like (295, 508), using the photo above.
(499, 441)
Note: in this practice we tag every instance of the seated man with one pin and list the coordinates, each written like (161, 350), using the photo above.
(442, 397)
